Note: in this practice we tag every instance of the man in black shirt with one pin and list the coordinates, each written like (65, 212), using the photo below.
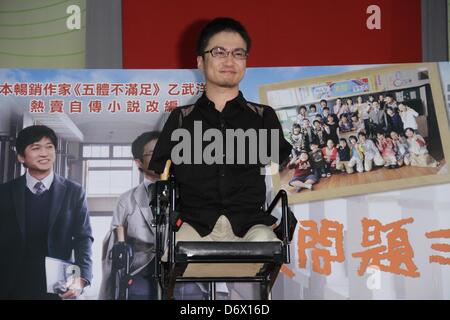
(222, 199)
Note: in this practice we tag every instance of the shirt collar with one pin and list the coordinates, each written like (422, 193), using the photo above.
(31, 181)
(203, 101)
(147, 182)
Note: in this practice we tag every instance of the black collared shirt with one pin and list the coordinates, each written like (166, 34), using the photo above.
(207, 191)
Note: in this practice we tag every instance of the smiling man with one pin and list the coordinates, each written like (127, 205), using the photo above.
(42, 215)
(221, 201)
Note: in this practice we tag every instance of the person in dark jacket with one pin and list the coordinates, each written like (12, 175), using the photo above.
(42, 215)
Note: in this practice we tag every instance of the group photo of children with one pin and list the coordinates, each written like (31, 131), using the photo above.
(360, 139)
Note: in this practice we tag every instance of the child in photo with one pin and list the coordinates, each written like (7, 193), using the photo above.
(308, 132)
(358, 124)
(395, 122)
(333, 127)
(363, 110)
(387, 149)
(326, 113)
(350, 107)
(345, 125)
(297, 139)
(418, 151)
(408, 116)
(301, 114)
(390, 101)
(321, 133)
(371, 153)
(317, 161)
(377, 119)
(312, 113)
(343, 157)
(401, 149)
(381, 100)
(302, 177)
(345, 108)
(337, 107)
(319, 118)
(323, 104)
(357, 157)
(330, 154)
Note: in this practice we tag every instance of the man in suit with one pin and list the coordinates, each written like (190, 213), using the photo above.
(42, 215)
(134, 214)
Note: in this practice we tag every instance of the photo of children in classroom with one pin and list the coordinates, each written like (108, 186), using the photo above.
(359, 131)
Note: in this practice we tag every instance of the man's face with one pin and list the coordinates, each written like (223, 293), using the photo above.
(147, 156)
(39, 156)
(223, 72)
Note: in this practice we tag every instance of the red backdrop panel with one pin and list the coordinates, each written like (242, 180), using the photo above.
(163, 34)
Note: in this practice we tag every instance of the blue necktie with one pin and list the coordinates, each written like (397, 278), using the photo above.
(39, 188)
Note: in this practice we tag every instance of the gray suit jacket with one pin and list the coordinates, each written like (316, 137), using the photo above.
(132, 212)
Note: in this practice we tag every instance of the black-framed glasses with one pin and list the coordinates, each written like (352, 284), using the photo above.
(220, 52)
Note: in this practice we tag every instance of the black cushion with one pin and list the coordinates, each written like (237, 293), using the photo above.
(225, 251)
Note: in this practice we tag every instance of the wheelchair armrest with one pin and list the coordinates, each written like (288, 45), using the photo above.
(286, 228)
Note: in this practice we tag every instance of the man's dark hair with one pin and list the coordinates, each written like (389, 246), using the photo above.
(323, 100)
(137, 147)
(32, 134)
(219, 25)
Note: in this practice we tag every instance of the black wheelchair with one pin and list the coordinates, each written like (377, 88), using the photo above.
(212, 262)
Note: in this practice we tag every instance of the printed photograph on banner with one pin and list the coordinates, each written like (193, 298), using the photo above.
(97, 116)
(365, 130)
(448, 26)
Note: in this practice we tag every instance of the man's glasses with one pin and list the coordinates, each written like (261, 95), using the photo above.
(219, 52)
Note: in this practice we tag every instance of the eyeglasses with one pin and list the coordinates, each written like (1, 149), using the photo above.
(219, 52)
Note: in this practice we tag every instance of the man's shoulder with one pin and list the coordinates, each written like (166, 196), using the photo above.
(11, 184)
(70, 184)
(185, 110)
(129, 194)
(258, 107)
